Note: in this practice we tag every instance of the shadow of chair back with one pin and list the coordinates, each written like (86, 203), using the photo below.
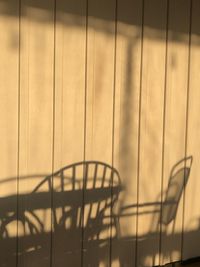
(80, 198)
(178, 180)
(88, 191)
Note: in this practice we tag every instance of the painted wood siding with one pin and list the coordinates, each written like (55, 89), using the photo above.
(100, 126)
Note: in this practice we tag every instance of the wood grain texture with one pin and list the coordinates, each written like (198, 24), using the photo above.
(9, 91)
(175, 120)
(99, 112)
(90, 86)
(151, 128)
(36, 134)
(191, 215)
(69, 131)
(128, 66)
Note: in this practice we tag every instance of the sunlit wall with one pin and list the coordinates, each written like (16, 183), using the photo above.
(99, 125)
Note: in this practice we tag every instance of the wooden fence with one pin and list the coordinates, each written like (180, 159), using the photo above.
(113, 87)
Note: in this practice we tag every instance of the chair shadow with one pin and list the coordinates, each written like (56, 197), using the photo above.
(78, 202)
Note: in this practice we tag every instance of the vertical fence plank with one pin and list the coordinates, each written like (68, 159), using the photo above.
(9, 52)
(99, 114)
(126, 126)
(151, 126)
(36, 133)
(175, 125)
(191, 238)
(69, 131)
